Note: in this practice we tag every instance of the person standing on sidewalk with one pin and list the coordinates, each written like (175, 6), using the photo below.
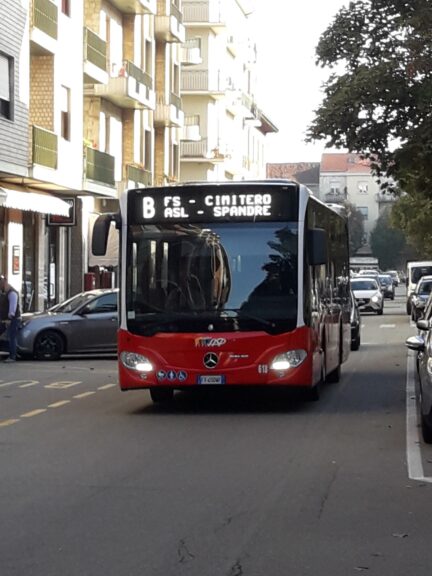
(13, 316)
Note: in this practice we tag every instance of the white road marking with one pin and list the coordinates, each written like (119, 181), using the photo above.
(84, 394)
(33, 413)
(8, 422)
(33, 383)
(387, 325)
(22, 382)
(63, 384)
(107, 386)
(58, 404)
(414, 457)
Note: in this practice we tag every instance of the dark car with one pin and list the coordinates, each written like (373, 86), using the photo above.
(420, 296)
(86, 323)
(422, 344)
(387, 286)
(355, 324)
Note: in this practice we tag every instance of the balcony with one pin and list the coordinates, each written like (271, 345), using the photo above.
(191, 128)
(202, 83)
(44, 27)
(169, 113)
(138, 176)
(190, 52)
(169, 23)
(95, 58)
(135, 6)
(128, 87)
(333, 198)
(204, 14)
(45, 147)
(99, 167)
(202, 151)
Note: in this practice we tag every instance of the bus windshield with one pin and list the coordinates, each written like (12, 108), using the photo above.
(223, 277)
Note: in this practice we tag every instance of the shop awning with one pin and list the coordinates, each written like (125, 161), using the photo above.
(33, 202)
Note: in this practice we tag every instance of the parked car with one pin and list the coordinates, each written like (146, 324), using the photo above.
(420, 296)
(387, 286)
(422, 345)
(86, 323)
(368, 294)
(355, 324)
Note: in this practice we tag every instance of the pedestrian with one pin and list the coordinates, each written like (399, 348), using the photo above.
(12, 316)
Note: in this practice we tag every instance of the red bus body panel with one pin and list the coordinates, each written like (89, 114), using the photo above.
(243, 358)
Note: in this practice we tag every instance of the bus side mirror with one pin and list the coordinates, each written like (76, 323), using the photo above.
(317, 244)
(101, 229)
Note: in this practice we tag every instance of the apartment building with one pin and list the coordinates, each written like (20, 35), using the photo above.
(224, 132)
(348, 177)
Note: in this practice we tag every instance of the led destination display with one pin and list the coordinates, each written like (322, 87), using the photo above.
(214, 203)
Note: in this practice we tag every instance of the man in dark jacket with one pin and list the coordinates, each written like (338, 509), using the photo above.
(13, 316)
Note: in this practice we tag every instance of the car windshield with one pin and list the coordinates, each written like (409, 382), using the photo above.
(385, 280)
(424, 287)
(364, 285)
(185, 277)
(73, 303)
(418, 272)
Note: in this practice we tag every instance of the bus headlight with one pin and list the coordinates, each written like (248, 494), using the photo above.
(287, 360)
(135, 361)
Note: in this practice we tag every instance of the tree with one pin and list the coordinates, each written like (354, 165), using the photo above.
(355, 227)
(378, 98)
(388, 244)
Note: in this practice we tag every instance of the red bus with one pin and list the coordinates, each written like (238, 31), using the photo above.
(230, 284)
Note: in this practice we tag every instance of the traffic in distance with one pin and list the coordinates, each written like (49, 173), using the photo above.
(231, 283)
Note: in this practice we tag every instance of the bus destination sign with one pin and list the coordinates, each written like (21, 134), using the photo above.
(213, 204)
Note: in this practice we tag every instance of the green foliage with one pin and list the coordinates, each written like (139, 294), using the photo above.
(378, 98)
(355, 227)
(388, 244)
(413, 213)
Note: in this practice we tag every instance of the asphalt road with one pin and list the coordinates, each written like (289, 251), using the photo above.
(95, 482)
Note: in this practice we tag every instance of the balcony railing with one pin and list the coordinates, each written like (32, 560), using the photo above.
(334, 198)
(44, 147)
(385, 197)
(201, 151)
(138, 175)
(99, 166)
(203, 12)
(95, 49)
(202, 81)
(45, 16)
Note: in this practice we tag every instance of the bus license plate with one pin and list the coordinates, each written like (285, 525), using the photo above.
(211, 379)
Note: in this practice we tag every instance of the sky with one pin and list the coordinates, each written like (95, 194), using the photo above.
(289, 82)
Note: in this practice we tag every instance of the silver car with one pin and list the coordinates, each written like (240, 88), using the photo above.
(86, 323)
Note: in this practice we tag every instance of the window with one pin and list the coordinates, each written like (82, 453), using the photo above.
(363, 187)
(6, 87)
(65, 7)
(65, 113)
(335, 188)
(364, 211)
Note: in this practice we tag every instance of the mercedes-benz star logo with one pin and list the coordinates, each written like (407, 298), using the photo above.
(210, 360)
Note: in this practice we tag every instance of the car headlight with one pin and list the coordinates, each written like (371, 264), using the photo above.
(135, 361)
(287, 360)
(375, 298)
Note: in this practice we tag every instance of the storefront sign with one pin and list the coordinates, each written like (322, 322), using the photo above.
(70, 220)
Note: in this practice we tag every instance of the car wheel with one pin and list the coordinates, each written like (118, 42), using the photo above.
(161, 395)
(380, 312)
(408, 309)
(49, 345)
(355, 344)
(426, 427)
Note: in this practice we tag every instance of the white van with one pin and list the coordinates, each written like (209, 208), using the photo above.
(415, 270)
